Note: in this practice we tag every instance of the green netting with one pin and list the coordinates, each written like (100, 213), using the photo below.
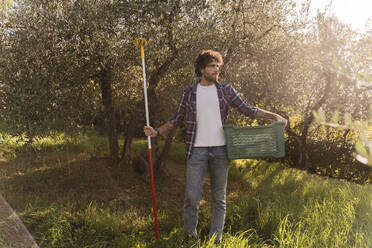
(255, 142)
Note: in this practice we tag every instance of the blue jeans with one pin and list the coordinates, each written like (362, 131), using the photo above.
(214, 159)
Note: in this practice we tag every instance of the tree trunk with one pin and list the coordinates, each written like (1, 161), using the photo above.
(303, 157)
(160, 161)
(303, 147)
(155, 77)
(127, 143)
(109, 108)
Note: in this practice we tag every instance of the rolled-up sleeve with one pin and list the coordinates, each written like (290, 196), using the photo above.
(241, 105)
(179, 115)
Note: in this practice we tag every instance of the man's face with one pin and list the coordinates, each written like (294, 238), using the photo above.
(211, 71)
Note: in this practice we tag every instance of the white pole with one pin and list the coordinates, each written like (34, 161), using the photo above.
(146, 102)
(140, 42)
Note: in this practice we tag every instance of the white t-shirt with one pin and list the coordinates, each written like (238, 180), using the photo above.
(209, 129)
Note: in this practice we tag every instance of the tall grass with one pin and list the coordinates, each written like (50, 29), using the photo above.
(66, 199)
(290, 208)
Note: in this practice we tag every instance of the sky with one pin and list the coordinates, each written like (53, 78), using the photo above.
(354, 12)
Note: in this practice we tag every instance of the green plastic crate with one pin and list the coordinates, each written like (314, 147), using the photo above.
(255, 142)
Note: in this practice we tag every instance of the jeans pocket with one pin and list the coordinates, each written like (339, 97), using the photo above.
(220, 152)
(198, 154)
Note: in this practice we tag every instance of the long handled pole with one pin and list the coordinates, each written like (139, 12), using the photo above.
(141, 42)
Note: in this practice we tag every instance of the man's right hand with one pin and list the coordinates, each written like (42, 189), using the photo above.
(150, 131)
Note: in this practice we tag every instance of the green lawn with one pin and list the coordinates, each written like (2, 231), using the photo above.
(68, 197)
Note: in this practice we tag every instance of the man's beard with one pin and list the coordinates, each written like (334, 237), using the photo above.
(211, 79)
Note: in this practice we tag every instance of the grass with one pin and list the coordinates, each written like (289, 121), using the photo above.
(67, 196)
(293, 209)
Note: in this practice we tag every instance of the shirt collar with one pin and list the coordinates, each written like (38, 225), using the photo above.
(218, 86)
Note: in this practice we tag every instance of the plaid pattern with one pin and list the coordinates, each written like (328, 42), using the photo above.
(186, 110)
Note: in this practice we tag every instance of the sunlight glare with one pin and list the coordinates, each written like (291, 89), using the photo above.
(353, 12)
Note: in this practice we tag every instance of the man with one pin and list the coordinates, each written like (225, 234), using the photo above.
(204, 107)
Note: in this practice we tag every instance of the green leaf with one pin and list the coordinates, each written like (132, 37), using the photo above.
(361, 149)
(316, 116)
(321, 114)
(335, 117)
(347, 119)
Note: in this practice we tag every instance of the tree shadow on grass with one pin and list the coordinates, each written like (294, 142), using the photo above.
(77, 182)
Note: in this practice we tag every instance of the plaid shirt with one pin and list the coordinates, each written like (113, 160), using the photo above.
(186, 110)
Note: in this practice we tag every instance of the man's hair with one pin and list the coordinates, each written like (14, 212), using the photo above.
(204, 58)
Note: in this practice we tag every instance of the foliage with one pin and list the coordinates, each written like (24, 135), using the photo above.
(363, 146)
(42, 95)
